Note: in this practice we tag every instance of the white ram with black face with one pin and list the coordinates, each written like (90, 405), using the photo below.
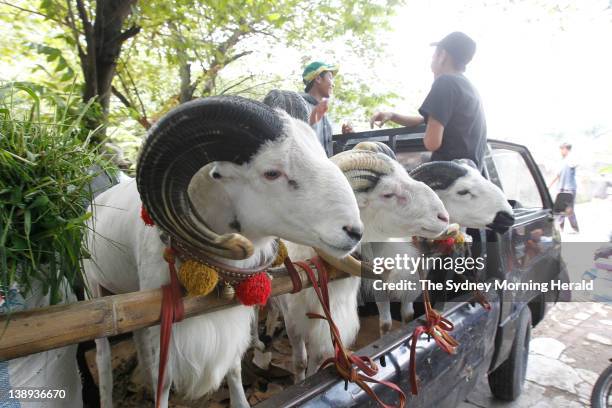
(224, 176)
(392, 205)
(471, 200)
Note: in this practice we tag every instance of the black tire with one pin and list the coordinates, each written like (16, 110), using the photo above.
(506, 381)
(601, 397)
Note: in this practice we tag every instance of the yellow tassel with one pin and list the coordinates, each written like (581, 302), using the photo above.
(282, 254)
(460, 238)
(197, 278)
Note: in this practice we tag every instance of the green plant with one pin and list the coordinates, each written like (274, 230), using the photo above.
(45, 174)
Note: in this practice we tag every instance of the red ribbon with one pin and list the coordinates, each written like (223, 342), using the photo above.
(436, 326)
(346, 362)
(172, 310)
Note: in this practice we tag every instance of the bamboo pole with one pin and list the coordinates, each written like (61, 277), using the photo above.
(42, 329)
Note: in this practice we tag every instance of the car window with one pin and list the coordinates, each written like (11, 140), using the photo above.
(515, 178)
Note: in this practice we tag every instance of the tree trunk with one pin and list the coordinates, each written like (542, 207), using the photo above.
(187, 88)
(104, 39)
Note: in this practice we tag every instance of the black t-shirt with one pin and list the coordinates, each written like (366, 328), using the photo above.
(455, 103)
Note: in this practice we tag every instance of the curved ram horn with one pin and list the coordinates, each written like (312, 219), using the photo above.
(467, 162)
(347, 264)
(379, 147)
(224, 128)
(438, 175)
(363, 168)
(291, 102)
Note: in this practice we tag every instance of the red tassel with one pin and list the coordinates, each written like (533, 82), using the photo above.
(446, 246)
(254, 290)
(146, 217)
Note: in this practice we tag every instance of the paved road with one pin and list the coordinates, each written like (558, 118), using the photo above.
(572, 345)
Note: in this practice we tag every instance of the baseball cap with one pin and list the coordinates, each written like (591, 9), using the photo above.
(315, 68)
(461, 47)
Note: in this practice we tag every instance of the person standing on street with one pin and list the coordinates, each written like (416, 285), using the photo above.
(567, 184)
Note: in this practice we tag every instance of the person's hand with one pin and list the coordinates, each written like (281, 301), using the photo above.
(319, 111)
(380, 118)
(347, 128)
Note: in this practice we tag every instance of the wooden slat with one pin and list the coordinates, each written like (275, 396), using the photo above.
(37, 330)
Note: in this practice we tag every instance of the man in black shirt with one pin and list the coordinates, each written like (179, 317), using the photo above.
(456, 127)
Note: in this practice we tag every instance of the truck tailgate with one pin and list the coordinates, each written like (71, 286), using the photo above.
(445, 379)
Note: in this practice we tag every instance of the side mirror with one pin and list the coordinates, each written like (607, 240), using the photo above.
(563, 201)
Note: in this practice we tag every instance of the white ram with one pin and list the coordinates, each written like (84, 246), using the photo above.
(391, 204)
(235, 167)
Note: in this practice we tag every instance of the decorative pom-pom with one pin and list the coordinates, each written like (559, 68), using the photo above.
(281, 255)
(460, 238)
(146, 217)
(197, 278)
(446, 246)
(254, 290)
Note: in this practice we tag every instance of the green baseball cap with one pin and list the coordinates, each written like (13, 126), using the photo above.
(315, 68)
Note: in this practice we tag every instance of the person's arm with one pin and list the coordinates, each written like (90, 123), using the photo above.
(433, 135)
(380, 118)
(437, 109)
(318, 111)
(552, 183)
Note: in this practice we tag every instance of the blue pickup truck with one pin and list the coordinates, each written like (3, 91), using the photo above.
(494, 343)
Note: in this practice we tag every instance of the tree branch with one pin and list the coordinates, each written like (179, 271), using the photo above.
(218, 63)
(274, 81)
(38, 13)
(129, 33)
(90, 67)
(234, 85)
(236, 56)
(127, 71)
(125, 101)
(83, 16)
(75, 33)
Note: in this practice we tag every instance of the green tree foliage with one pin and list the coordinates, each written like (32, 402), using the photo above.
(153, 55)
(198, 40)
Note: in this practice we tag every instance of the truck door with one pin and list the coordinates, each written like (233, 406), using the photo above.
(531, 251)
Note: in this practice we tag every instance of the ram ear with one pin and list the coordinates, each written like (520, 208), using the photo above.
(466, 162)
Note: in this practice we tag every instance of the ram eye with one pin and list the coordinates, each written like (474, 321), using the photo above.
(388, 195)
(272, 174)
(463, 192)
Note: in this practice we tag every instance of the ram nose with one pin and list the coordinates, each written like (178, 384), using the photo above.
(354, 232)
(443, 216)
(502, 221)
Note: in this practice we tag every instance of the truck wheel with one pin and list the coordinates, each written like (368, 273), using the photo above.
(506, 381)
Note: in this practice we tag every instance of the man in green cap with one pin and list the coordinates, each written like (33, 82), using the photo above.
(318, 78)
